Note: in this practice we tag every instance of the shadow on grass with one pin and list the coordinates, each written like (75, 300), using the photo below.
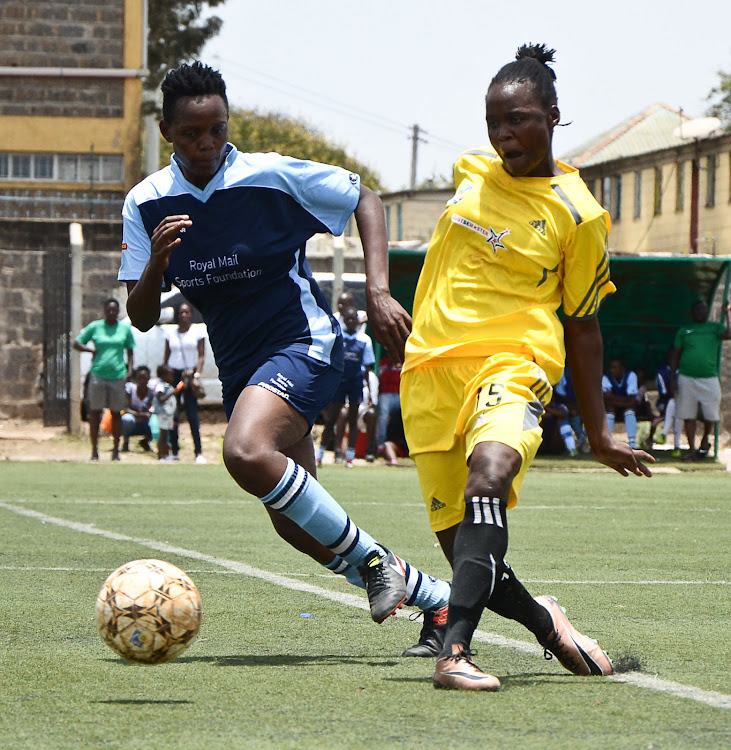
(143, 702)
(285, 660)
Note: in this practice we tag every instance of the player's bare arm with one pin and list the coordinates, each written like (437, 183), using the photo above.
(584, 352)
(143, 303)
(390, 322)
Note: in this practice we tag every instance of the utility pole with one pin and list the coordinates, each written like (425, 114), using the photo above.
(414, 153)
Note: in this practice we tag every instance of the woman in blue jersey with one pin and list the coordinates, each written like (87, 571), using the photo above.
(229, 230)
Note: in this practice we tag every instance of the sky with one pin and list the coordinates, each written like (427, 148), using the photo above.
(364, 73)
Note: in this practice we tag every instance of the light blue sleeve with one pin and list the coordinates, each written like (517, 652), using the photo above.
(135, 242)
(606, 385)
(329, 193)
(632, 384)
(369, 358)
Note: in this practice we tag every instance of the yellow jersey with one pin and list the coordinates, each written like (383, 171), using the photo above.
(506, 253)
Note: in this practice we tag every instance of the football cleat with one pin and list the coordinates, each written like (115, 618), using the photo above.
(458, 672)
(385, 583)
(431, 638)
(578, 653)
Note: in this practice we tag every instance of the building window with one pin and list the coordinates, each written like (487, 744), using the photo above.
(606, 193)
(399, 221)
(388, 222)
(21, 166)
(711, 180)
(680, 186)
(658, 191)
(85, 168)
(638, 195)
(616, 212)
(43, 167)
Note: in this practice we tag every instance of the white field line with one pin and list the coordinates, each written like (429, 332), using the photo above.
(150, 501)
(707, 697)
(551, 581)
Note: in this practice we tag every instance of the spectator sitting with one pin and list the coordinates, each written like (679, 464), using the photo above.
(665, 405)
(564, 393)
(136, 418)
(620, 390)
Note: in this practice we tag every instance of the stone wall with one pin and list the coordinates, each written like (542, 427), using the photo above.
(22, 247)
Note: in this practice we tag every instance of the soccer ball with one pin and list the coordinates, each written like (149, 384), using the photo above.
(148, 611)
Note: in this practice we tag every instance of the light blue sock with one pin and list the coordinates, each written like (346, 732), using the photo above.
(568, 435)
(342, 568)
(630, 423)
(302, 498)
(349, 453)
(320, 453)
(610, 421)
(423, 591)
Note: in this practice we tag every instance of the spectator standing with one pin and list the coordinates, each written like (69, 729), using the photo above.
(359, 360)
(697, 360)
(165, 406)
(111, 338)
(620, 392)
(389, 399)
(136, 417)
(185, 352)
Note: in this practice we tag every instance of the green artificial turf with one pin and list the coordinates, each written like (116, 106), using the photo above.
(642, 565)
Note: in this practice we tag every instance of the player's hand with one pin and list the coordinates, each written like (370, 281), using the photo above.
(166, 238)
(623, 459)
(390, 322)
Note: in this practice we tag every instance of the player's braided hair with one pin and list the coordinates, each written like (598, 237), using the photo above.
(530, 65)
(190, 80)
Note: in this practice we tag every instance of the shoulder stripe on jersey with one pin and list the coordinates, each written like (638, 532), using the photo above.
(571, 207)
(588, 305)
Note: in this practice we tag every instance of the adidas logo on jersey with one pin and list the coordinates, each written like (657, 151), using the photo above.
(540, 225)
(437, 505)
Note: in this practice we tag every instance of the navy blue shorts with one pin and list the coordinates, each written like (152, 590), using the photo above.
(350, 389)
(306, 384)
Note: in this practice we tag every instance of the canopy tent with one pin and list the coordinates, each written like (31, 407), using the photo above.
(653, 299)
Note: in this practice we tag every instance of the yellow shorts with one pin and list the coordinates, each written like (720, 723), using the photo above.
(451, 405)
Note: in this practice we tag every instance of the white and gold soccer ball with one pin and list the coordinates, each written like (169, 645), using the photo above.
(148, 611)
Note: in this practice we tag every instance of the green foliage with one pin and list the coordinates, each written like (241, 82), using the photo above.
(720, 99)
(256, 132)
(177, 34)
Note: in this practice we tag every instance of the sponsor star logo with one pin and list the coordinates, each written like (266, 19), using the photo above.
(495, 239)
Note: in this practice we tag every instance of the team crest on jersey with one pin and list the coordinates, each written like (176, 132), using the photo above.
(492, 237)
(124, 246)
(540, 225)
(353, 178)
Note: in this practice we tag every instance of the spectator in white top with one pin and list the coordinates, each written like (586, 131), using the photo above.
(185, 351)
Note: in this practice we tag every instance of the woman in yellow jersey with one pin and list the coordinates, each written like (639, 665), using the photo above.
(522, 237)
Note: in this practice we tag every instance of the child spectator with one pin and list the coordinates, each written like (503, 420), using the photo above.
(359, 360)
(136, 418)
(666, 406)
(620, 390)
(164, 407)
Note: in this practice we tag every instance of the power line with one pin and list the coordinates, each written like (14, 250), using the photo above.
(334, 105)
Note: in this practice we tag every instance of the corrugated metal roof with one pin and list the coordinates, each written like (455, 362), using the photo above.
(650, 130)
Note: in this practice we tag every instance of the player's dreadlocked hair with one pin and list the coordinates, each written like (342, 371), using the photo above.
(530, 65)
(190, 80)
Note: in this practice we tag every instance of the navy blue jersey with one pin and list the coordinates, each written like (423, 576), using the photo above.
(358, 354)
(242, 262)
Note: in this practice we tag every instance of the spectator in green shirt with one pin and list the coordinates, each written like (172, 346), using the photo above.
(110, 339)
(696, 360)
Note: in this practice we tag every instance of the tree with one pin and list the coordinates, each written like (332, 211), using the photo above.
(176, 34)
(720, 98)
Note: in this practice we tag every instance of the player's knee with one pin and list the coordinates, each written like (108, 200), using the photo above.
(244, 460)
(493, 466)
